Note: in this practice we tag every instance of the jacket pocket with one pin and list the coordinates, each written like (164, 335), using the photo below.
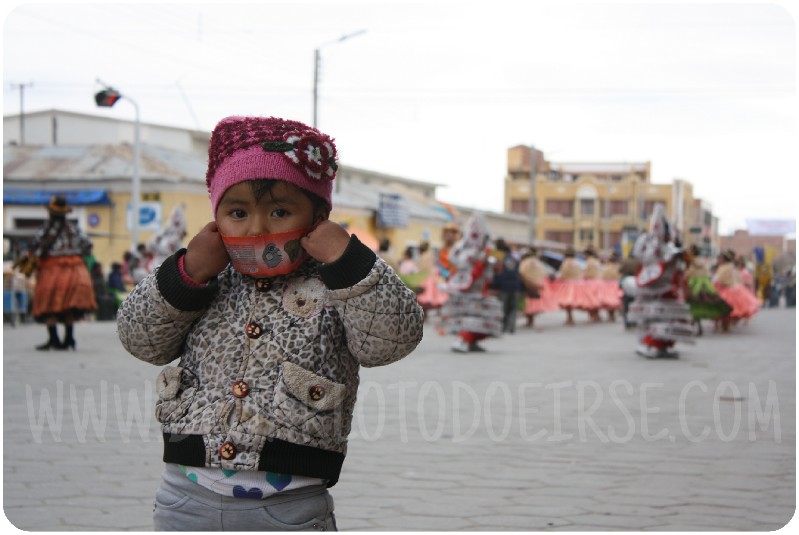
(176, 388)
(308, 402)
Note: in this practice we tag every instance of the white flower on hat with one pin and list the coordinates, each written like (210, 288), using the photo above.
(316, 156)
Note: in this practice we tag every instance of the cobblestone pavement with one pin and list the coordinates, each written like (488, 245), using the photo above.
(553, 428)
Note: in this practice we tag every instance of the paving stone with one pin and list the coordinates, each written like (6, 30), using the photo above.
(613, 521)
(517, 522)
(405, 481)
(421, 522)
(354, 524)
(556, 511)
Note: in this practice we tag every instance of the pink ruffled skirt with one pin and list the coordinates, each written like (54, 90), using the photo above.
(431, 296)
(544, 303)
(744, 303)
(580, 294)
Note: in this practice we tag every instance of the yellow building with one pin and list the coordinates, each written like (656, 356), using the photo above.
(602, 204)
(89, 159)
(99, 196)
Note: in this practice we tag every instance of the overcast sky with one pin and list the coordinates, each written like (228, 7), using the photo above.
(439, 90)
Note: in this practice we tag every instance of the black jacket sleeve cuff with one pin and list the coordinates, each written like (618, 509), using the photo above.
(179, 294)
(351, 268)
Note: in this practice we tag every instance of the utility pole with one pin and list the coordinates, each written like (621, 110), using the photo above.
(533, 181)
(315, 85)
(316, 62)
(21, 88)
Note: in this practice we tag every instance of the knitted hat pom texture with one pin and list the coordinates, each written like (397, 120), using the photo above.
(249, 148)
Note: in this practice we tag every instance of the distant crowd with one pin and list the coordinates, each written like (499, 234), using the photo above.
(726, 289)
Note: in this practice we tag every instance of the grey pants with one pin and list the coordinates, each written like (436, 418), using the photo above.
(510, 305)
(183, 505)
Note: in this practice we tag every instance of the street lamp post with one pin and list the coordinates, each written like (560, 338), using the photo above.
(107, 98)
(136, 183)
(316, 62)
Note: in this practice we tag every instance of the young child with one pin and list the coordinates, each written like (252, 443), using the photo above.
(271, 310)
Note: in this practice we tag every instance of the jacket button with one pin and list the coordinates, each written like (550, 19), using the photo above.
(263, 285)
(316, 392)
(240, 389)
(253, 330)
(227, 451)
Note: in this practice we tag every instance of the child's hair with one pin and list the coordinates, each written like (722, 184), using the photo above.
(262, 186)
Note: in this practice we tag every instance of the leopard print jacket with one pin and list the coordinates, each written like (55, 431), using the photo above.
(268, 368)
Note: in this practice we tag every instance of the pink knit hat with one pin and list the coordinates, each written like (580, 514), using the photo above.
(247, 148)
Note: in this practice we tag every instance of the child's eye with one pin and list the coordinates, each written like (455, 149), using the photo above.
(238, 214)
(279, 212)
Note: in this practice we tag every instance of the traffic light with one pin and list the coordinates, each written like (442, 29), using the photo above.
(107, 97)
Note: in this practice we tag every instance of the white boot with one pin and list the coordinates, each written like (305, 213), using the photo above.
(460, 346)
(650, 352)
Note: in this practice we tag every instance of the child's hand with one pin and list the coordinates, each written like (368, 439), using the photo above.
(206, 256)
(326, 242)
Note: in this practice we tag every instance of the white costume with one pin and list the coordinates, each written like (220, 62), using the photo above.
(169, 239)
(471, 311)
(662, 315)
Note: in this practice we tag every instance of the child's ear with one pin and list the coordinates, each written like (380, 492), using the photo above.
(321, 215)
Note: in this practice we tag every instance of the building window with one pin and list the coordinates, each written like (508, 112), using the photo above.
(586, 235)
(561, 208)
(151, 197)
(519, 206)
(587, 206)
(618, 208)
(560, 236)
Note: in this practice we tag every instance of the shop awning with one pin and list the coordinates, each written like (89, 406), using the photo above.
(79, 197)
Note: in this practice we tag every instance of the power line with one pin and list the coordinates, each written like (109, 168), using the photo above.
(188, 105)
(161, 55)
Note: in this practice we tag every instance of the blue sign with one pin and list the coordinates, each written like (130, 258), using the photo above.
(150, 216)
(94, 219)
(392, 211)
(146, 215)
